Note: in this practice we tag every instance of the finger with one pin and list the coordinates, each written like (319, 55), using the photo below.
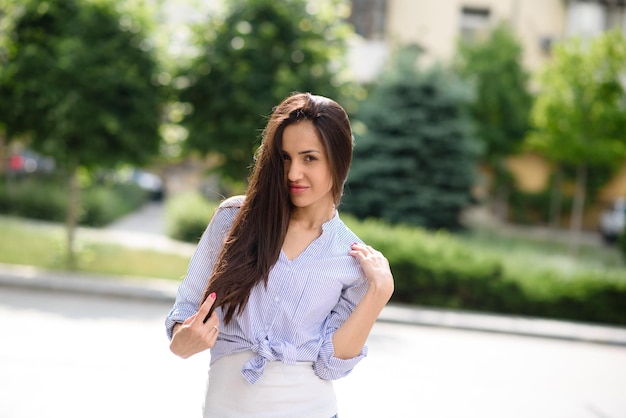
(212, 339)
(359, 254)
(205, 308)
(360, 248)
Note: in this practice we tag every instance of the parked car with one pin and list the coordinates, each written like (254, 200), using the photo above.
(27, 162)
(150, 182)
(613, 220)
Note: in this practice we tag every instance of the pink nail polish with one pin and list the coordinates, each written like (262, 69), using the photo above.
(212, 295)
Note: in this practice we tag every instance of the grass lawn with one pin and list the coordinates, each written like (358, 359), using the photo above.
(43, 245)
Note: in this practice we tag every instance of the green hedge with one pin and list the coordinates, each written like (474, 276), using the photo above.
(461, 272)
(187, 216)
(46, 198)
(441, 270)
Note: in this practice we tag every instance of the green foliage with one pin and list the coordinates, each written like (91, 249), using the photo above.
(502, 102)
(78, 82)
(579, 116)
(45, 199)
(414, 163)
(33, 198)
(252, 58)
(103, 205)
(621, 244)
(187, 216)
(493, 275)
(529, 208)
(533, 208)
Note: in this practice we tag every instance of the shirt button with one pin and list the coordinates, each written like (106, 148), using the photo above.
(276, 299)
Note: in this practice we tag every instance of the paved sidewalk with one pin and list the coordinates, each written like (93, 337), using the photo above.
(165, 290)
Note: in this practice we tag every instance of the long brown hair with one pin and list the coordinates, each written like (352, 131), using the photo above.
(259, 229)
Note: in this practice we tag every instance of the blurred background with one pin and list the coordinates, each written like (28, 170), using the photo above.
(490, 158)
(489, 167)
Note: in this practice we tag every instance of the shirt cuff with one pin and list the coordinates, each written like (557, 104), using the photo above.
(329, 367)
(176, 315)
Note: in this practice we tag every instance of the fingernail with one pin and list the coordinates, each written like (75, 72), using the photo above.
(212, 295)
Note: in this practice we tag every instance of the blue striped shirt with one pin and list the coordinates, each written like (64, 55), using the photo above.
(295, 317)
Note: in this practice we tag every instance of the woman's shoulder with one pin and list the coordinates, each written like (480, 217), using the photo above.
(345, 234)
(233, 202)
(227, 210)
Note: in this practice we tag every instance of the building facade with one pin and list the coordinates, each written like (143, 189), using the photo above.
(438, 26)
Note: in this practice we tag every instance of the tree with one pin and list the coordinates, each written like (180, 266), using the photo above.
(415, 162)
(77, 84)
(579, 116)
(502, 101)
(252, 58)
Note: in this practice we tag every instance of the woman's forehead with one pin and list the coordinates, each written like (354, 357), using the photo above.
(301, 136)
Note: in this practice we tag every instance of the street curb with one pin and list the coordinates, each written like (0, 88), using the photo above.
(506, 324)
(162, 290)
(30, 277)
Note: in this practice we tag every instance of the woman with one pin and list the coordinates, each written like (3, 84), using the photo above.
(295, 292)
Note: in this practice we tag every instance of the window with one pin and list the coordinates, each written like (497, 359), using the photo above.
(474, 22)
(368, 18)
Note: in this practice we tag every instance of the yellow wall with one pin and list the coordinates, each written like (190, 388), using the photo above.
(616, 187)
(435, 25)
(531, 172)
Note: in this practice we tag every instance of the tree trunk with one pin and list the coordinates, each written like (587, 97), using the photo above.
(72, 215)
(501, 193)
(3, 155)
(578, 207)
(502, 203)
(556, 199)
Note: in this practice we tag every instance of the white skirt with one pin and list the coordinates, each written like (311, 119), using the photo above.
(284, 391)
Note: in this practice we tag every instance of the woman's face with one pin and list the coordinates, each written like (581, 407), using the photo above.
(307, 169)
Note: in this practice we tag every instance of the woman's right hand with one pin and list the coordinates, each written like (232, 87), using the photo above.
(194, 335)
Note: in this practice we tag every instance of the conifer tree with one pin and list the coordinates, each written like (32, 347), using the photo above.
(415, 161)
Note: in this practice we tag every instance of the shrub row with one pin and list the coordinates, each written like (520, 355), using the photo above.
(440, 270)
(46, 198)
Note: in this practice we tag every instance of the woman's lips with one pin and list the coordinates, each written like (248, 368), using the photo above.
(297, 189)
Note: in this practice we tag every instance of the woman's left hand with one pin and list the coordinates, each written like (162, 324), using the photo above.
(376, 269)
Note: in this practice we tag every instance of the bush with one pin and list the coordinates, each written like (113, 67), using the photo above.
(45, 198)
(102, 205)
(34, 197)
(621, 244)
(441, 270)
(187, 216)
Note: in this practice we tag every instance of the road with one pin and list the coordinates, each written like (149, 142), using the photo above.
(76, 356)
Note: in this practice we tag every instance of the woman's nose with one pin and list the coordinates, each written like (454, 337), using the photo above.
(294, 172)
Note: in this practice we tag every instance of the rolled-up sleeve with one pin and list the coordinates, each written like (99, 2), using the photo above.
(327, 366)
(200, 267)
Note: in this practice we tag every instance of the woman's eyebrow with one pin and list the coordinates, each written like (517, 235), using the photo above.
(308, 151)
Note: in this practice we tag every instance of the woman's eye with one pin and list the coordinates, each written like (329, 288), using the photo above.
(309, 158)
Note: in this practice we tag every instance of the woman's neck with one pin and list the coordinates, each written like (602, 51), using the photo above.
(310, 218)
